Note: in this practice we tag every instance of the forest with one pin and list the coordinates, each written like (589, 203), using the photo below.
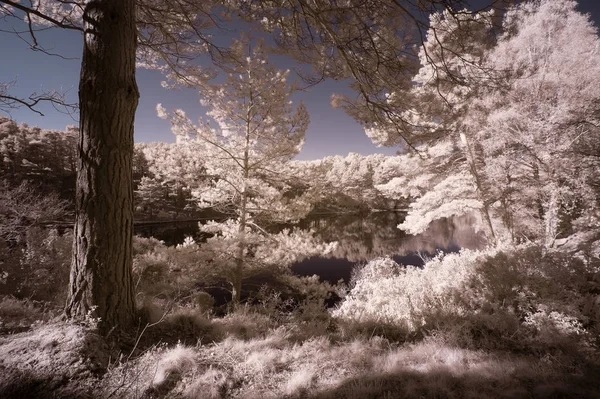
(218, 265)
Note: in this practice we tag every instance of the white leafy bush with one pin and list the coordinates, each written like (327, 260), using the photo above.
(38, 268)
(165, 271)
(187, 242)
(143, 245)
(554, 322)
(263, 252)
(517, 297)
(384, 291)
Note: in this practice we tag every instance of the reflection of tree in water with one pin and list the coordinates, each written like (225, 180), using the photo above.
(362, 238)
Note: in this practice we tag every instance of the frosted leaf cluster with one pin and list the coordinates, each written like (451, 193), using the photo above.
(250, 134)
(553, 322)
(261, 249)
(454, 195)
(65, 12)
(384, 291)
(516, 117)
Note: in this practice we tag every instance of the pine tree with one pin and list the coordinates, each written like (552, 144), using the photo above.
(256, 133)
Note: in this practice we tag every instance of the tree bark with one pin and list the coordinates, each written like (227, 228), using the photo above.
(551, 214)
(485, 211)
(236, 293)
(101, 280)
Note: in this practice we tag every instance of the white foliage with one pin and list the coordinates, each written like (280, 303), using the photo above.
(535, 122)
(261, 250)
(549, 323)
(65, 12)
(509, 117)
(188, 242)
(384, 291)
(453, 196)
(252, 132)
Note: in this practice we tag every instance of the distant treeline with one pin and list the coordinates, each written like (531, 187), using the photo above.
(166, 175)
(46, 158)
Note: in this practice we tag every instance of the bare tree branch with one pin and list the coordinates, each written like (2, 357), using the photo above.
(9, 102)
(29, 11)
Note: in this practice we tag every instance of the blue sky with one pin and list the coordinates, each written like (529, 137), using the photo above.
(331, 131)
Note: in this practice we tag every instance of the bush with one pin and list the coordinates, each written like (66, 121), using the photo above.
(383, 291)
(38, 268)
(512, 298)
(26, 206)
(16, 314)
(544, 295)
(34, 261)
(145, 245)
(170, 273)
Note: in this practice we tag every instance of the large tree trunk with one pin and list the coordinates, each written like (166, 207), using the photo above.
(101, 281)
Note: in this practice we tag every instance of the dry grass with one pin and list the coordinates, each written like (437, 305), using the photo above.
(275, 366)
(263, 352)
(52, 360)
(18, 315)
(71, 361)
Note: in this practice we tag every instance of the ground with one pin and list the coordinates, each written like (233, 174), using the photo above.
(512, 322)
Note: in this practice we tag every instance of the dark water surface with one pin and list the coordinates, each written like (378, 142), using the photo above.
(360, 238)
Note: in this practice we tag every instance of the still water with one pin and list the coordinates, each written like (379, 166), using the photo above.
(360, 238)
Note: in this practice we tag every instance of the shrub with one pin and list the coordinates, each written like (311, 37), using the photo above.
(34, 261)
(38, 268)
(546, 294)
(511, 298)
(26, 206)
(166, 272)
(145, 245)
(152, 273)
(383, 291)
(16, 314)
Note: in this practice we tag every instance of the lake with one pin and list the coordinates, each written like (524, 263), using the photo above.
(360, 238)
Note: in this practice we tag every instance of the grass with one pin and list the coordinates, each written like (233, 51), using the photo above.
(518, 324)
(274, 366)
(18, 315)
(70, 360)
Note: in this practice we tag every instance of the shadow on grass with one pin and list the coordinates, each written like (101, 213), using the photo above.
(15, 384)
(444, 384)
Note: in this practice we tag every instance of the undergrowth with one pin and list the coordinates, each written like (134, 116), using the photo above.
(499, 323)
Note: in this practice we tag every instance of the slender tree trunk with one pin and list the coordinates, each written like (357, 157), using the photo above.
(101, 281)
(551, 217)
(485, 212)
(236, 293)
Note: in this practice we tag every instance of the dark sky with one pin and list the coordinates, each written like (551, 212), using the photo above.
(330, 132)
